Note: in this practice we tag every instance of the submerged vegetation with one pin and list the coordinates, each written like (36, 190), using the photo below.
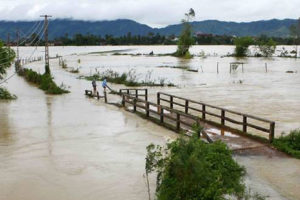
(43, 81)
(5, 94)
(129, 78)
(289, 144)
(189, 168)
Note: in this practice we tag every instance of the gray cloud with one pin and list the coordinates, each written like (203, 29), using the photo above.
(152, 12)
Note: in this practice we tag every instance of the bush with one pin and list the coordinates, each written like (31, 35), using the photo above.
(192, 169)
(267, 47)
(241, 46)
(45, 81)
(5, 95)
(289, 144)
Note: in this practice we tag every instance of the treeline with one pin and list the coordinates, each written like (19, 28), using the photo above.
(157, 39)
(89, 39)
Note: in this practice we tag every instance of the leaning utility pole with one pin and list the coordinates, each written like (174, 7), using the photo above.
(47, 66)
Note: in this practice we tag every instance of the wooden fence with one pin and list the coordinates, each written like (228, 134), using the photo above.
(135, 92)
(201, 109)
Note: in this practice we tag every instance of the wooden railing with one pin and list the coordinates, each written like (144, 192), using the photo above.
(201, 109)
(135, 92)
(173, 118)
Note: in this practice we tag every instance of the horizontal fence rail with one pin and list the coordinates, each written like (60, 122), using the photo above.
(220, 113)
(176, 119)
(135, 92)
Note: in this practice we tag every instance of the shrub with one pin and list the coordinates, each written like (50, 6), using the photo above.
(289, 144)
(267, 47)
(45, 81)
(192, 169)
(5, 95)
(241, 46)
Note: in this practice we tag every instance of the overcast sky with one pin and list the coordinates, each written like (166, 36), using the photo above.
(156, 13)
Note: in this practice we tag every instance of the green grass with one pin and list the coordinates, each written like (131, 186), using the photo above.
(43, 81)
(5, 94)
(289, 144)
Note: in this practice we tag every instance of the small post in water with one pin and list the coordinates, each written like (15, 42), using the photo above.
(217, 67)
(105, 96)
(266, 67)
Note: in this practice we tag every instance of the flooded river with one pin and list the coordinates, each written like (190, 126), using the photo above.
(71, 147)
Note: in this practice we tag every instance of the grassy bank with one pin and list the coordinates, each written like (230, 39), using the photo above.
(43, 81)
(6, 95)
(128, 79)
(289, 144)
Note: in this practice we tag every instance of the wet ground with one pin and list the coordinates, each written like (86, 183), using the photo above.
(73, 147)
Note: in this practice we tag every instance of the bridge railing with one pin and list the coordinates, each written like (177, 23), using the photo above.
(175, 120)
(217, 115)
(135, 92)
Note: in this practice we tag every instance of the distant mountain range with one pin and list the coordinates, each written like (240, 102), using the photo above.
(61, 27)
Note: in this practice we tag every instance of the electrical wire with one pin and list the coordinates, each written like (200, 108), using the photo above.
(6, 79)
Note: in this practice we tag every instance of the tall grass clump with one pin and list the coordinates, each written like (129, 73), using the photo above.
(43, 81)
(6, 95)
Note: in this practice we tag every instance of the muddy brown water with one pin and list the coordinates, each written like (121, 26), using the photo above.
(72, 147)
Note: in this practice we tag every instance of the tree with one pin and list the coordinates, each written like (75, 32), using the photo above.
(185, 39)
(7, 56)
(295, 33)
(192, 169)
(241, 46)
(267, 47)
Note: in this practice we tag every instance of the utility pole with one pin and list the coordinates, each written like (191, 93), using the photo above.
(47, 66)
(18, 39)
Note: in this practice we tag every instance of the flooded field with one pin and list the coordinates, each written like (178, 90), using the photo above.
(72, 147)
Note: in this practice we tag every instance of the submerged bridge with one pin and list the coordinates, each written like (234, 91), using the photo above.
(239, 131)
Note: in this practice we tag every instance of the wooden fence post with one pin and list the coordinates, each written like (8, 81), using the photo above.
(178, 122)
(272, 132)
(203, 111)
(136, 93)
(217, 67)
(244, 124)
(147, 109)
(162, 115)
(171, 102)
(158, 98)
(105, 96)
(123, 100)
(146, 94)
(223, 117)
(186, 106)
(134, 105)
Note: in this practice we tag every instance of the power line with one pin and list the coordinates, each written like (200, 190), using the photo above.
(29, 34)
(5, 80)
